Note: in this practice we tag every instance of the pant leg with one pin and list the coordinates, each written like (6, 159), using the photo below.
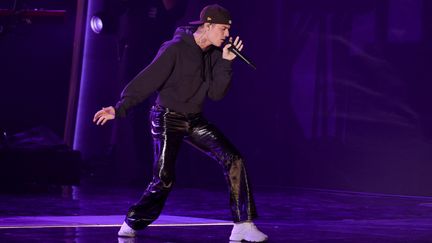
(168, 132)
(209, 139)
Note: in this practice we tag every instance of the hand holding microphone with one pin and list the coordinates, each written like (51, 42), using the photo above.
(231, 50)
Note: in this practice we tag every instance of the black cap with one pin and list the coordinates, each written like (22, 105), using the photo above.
(214, 14)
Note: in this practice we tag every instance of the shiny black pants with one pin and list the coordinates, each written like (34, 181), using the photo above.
(169, 130)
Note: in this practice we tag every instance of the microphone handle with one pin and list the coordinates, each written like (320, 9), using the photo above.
(237, 52)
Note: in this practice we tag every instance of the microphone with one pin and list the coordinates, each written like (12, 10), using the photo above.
(241, 56)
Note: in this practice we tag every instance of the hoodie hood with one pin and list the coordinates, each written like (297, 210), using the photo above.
(185, 33)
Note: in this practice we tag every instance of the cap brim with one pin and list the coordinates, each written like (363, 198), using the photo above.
(198, 22)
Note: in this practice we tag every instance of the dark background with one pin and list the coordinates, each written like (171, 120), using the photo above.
(35, 63)
(340, 100)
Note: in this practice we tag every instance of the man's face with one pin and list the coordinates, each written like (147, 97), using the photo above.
(218, 33)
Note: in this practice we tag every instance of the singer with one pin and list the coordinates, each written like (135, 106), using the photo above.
(194, 65)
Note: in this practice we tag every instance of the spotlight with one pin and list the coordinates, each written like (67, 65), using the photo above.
(96, 24)
(103, 23)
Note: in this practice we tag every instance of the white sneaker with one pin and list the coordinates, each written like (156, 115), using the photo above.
(126, 231)
(247, 231)
(126, 240)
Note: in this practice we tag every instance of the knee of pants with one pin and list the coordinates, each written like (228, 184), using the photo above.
(234, 161)
(234, 171)
(164, 183)
(163, 176)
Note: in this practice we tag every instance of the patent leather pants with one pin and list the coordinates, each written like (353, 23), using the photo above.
(169, 130)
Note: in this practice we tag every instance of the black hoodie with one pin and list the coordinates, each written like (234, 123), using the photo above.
(182, 74)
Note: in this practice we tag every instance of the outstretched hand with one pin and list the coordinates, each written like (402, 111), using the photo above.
(104, 115)
(229, 55)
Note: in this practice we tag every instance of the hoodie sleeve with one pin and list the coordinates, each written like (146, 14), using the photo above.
(221, 73)
(147, 81)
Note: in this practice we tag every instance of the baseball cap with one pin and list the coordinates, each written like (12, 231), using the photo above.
(215, 14)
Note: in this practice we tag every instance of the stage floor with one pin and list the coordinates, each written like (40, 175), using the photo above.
(94, 214)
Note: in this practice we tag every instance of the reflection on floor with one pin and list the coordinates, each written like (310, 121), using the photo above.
(94, 214)
(34, 222)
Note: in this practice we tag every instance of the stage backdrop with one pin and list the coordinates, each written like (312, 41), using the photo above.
(340, 98)
(35, 64)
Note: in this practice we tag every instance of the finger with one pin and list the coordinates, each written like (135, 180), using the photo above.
(227, 46)
(240, 48)
(99, 114)
(236, 40)
(100, 120)
(104, 121)
(239, 44)
(230, 40)
(96, 116)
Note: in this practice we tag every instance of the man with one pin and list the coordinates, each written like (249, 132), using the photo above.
(187, 69)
